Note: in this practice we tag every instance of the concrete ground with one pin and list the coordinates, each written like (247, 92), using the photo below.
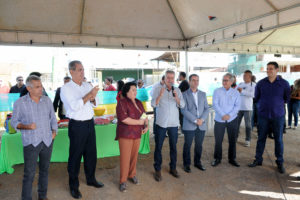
(220, 183)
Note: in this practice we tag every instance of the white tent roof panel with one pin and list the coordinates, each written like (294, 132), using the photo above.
(155, 24)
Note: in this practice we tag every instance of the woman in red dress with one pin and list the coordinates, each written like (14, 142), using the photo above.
(132, 123)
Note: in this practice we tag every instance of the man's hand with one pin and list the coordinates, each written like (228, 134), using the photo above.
(53, 135)
(176, 97)
(31, 126)
(94, 92)
(161, 91)
(240, 89)
(226, 117)
(199, 122)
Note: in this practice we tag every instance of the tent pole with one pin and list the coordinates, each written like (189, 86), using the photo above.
(186, 63)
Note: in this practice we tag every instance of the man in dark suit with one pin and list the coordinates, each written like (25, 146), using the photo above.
(57, 103)
(195, 114)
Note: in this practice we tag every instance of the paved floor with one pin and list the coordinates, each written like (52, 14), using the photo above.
(220, 183)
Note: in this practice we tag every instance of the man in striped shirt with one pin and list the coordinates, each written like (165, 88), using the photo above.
(34, 115)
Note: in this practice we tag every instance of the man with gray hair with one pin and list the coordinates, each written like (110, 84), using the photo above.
(166, 100)
(226, 103)
(34, 115)
(79, 99)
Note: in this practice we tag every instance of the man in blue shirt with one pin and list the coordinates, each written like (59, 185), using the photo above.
(34, 115)
(226, 103)
(271, 93)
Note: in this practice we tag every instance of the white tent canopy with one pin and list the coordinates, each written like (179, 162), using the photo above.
(270, 26)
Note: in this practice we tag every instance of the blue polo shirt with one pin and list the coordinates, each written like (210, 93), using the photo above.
(271, 97)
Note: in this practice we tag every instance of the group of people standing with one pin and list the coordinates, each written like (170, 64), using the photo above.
(230, 104)
(34, 115)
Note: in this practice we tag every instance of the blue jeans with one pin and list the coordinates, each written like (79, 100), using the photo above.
(160, 136)
(188, 139)
(277, 127)
(293, 110)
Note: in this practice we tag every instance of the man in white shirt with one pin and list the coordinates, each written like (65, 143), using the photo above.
(246, 90)
(79, 98)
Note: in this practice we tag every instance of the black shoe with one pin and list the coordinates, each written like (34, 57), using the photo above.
(281, 168)
(234, 163)
(174, 173)
(200, 166)
(96, 184)
(134, 180)
(216, 162)
(255, 163)
(75, 193)
(187, 169)
(123, 187)
(298, 178)
(157, 176)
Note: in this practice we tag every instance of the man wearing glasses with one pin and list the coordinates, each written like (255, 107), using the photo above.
(226, 103)
(19, 86)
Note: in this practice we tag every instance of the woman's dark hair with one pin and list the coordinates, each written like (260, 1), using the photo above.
(120, 85)
(126, 88)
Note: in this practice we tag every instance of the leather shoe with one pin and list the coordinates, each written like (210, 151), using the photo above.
(281, 168)
(255, 163)
(200, 166)
(174, 173)
(75, 193)
(234, 163)
(96, 184)
(187, 169)
(157, 176)
(216, 162)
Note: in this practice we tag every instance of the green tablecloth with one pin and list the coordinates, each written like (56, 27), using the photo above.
(12, 149)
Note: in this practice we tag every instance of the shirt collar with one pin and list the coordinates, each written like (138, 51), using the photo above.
(27, 98)
(193, 92)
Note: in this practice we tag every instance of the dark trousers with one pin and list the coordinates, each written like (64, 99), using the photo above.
(82, 143)
(277, 127)
(31, 155)
(247, 114)
(219, 130)
(160, 136)
(254, 115)
(188, 139)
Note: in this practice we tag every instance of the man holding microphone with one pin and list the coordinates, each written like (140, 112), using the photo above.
(166, 100)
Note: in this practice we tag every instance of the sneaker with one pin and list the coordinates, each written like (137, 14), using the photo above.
(295, 127)
(123, 187)
(289, 127)
(247, 143)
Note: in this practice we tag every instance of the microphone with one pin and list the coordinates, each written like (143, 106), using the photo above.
(173, 91)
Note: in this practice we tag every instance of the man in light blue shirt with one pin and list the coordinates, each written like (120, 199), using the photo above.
(226, 103)
(34, 115)
(166, 99)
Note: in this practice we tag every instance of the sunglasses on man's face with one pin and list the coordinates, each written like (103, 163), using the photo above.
(20, 80)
